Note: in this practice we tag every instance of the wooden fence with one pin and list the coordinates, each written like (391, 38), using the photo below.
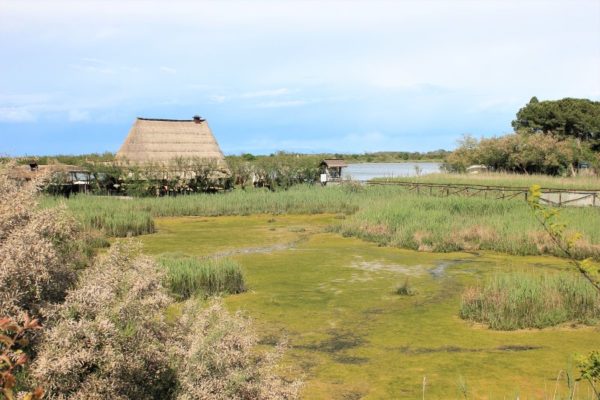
(551, 196)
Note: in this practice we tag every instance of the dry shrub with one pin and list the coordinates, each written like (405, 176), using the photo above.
(542, 241)
(38, 250)
(220, 362)
(473, 237)
(582, 248)
(423, 241)
(109, 339)
(379, 230)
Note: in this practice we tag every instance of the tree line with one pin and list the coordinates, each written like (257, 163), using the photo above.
(551, 137)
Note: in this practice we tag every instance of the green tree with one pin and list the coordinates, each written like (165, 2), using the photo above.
(568, 117)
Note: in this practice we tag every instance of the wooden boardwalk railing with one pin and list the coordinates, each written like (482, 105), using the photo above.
(551, 196)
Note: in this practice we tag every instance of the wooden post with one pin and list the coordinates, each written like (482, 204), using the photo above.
(559, 199)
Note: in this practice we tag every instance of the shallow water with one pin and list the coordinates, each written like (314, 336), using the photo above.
(366, 171)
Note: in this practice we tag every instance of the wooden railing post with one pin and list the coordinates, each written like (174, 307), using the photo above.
(559, 199)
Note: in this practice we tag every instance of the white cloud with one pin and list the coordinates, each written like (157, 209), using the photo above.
(16, 114)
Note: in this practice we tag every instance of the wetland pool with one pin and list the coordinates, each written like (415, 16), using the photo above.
(351, 336)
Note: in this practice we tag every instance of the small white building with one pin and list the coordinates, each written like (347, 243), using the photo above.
(477, 169)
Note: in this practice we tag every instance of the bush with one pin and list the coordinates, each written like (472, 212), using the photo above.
(221, 363)
(108, 339)
(187, 277)
(522, 153)
(521, 300)
(40, 250)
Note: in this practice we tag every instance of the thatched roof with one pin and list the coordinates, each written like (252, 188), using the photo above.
(334, 163)
(161, 141)
(26, 173)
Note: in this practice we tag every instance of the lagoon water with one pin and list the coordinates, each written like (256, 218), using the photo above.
(366, 171)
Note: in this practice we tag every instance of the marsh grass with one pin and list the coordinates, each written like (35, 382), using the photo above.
(123, 217)
(188, 277)
(386, 215)
(526, 300)
(584, 182)
(458, 223)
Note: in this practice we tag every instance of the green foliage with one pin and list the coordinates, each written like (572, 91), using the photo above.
(187, 277)
(519, 300)
(13, 358)
(568, 117)
(589, 367)
(537, 153)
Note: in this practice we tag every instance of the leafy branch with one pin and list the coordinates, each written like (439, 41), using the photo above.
(549, 218)
(12, 357)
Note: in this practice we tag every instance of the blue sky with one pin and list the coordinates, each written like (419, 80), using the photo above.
(306, 76)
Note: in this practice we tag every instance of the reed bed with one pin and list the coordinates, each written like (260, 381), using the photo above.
(584, 182)
(385, 214)
(188, 277)
(445, 224)
(526, 300)
(119, 216)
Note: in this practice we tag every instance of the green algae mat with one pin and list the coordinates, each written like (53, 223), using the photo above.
(352, 337)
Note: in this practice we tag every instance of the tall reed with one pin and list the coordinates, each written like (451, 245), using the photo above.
(387, 215)
(188, 277)
(527, 300)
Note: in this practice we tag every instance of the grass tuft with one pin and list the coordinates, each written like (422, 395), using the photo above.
(405, 289)
(524, 300)
(188, 277)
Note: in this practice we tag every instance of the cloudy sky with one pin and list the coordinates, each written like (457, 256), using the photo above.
(308, 76)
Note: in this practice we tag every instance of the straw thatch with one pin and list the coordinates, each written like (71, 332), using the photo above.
(161, 141)
(70, 173)
(334, 163)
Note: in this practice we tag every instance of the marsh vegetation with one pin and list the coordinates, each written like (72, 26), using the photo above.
(366, 318)
(386, 215)
(532, 300)
(188, 276)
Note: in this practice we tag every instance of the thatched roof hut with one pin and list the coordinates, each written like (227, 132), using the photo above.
(69, 174)
(162, 141)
